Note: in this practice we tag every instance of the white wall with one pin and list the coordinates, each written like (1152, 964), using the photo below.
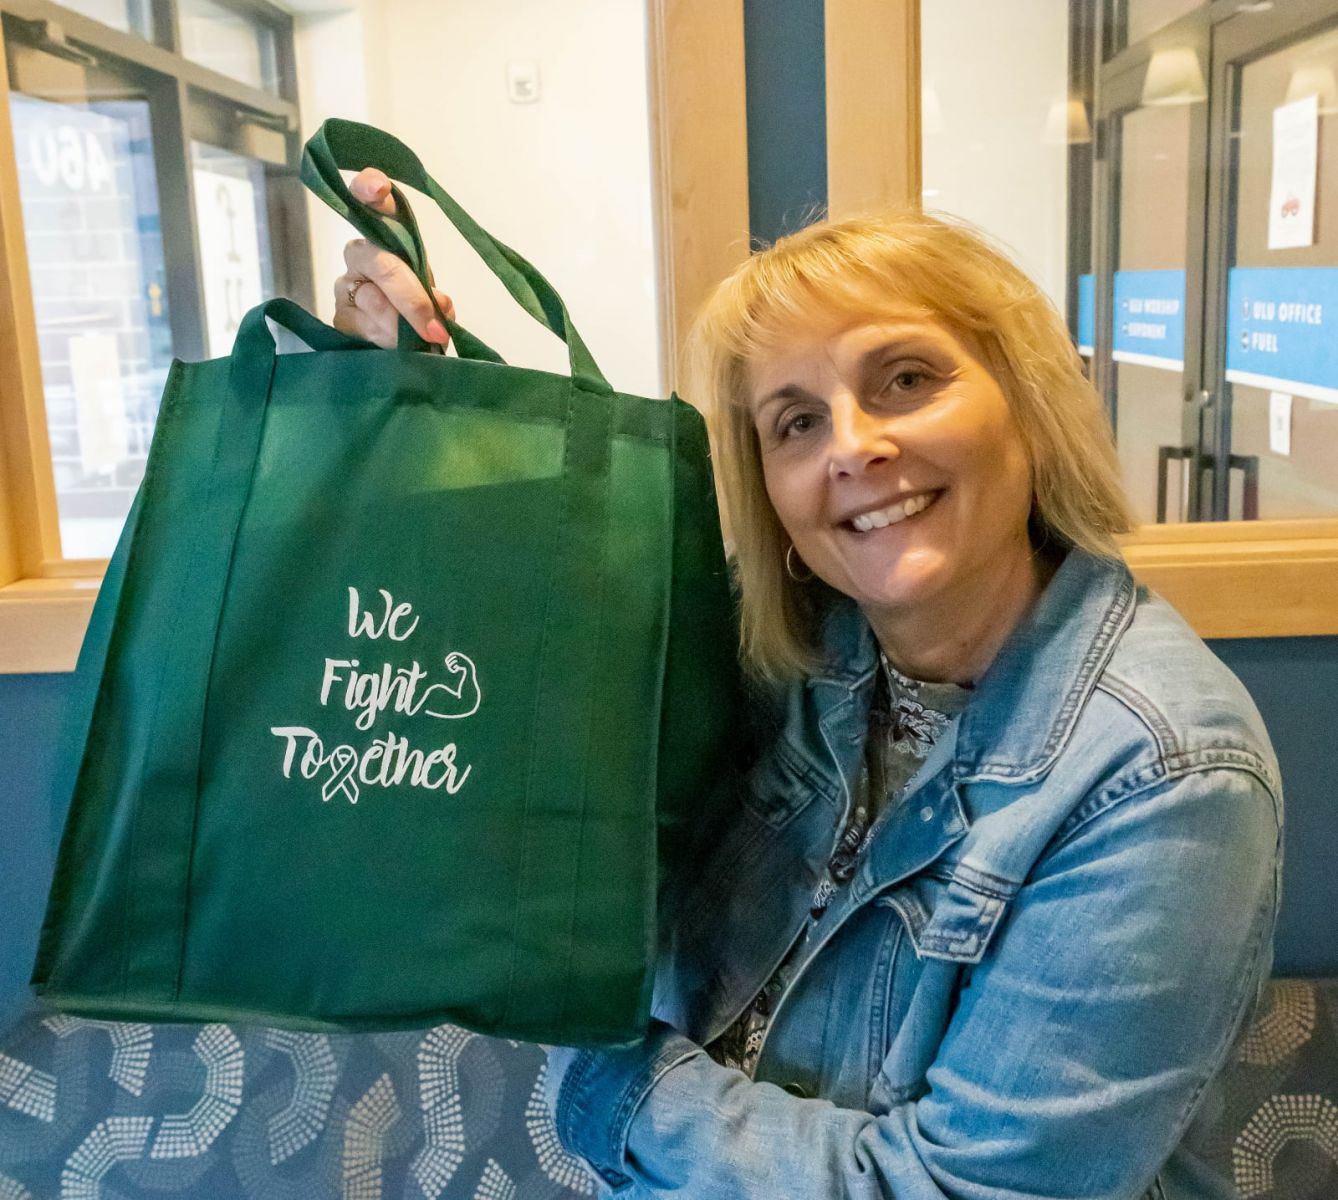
(996, 69)
(566, 181)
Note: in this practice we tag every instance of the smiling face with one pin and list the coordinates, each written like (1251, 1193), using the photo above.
(894, 463)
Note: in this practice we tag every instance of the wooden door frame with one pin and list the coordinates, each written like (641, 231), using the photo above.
(699, 140)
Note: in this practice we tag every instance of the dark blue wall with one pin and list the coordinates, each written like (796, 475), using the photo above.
(787, 115)
(30, 712)
(1294, 681)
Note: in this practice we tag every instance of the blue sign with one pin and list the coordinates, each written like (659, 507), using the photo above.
(1282, 330)
(1150, 319)
(1087, 315)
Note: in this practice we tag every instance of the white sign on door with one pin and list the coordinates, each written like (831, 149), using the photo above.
(229, 253)
(1291, 205)
(99, 402)
(1279, 422)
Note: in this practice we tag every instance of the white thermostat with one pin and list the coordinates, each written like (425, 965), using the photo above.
(522, 81)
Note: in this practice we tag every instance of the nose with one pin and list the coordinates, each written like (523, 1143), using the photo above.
(860, 439)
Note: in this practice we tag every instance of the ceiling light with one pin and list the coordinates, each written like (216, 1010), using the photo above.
(1174, 77)
(1067, 123)
(1314, 79)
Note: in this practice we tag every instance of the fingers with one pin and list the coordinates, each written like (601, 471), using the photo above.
(383, 290)
(372, 188)
(392, 289)
(389, 280)
(370, 316)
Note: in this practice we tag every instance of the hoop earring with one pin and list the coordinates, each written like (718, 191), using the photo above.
(789, 567)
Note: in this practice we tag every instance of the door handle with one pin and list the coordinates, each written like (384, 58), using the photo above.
(1164, 456)
(1248, 466)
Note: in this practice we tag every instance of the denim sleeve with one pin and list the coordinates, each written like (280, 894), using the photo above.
(1070, 1067)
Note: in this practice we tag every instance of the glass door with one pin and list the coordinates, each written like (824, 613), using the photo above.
(1216, 257)
(1272, 334)
(1153, 123)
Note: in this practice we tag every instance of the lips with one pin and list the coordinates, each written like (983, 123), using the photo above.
(891, 514)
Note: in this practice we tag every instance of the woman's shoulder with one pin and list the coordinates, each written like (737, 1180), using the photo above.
(1164, 688)
(1159, 717)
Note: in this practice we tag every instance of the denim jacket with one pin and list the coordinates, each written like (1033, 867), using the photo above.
(1030, 983)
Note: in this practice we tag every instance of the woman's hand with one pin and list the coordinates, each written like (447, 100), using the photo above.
(378, 288)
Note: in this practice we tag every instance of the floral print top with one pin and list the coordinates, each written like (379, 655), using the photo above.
(908, 717)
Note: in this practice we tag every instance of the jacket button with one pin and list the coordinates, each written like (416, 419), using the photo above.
(795, 1090)
(926, 813)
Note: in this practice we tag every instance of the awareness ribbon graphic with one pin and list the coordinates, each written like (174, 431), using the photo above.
(342, 761)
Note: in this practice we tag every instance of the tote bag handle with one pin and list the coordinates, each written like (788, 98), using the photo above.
(340, 145)
(408, 245)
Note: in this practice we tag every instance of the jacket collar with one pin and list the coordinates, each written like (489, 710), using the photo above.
(1026, 705)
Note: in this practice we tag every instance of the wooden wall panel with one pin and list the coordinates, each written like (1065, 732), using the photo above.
(873, 105)
(700, 138)
(1244, 578)
(28, 523)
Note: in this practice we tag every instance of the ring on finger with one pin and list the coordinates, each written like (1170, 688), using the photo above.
(351, 295)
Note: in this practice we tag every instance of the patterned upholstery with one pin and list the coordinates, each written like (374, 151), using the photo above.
(90, 1109)
(1277, 1130)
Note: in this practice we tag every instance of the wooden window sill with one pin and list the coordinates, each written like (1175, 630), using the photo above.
(42, 623)
(1244, 579)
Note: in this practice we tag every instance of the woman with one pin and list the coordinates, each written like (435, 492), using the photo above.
(1001, 887)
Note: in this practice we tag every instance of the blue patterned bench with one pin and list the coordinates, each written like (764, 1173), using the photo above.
(1277, 1126)
(219, 1112)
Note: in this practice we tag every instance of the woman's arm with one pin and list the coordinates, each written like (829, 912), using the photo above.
(1073, 1061)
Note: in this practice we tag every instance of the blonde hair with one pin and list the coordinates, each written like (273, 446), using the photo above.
(847, 271)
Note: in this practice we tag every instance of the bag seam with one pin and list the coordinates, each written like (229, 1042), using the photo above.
(600, 578)
(535, 715)
(64, 867)
(128, 904)
(191, 842)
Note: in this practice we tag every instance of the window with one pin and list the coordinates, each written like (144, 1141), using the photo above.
(229, 42)
(1127, 153)
(146, 158)
(95, 258)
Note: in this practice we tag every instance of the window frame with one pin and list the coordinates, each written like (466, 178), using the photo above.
(45, 599)
(700, 200)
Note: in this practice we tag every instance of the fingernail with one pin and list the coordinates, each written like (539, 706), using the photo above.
(436, 332)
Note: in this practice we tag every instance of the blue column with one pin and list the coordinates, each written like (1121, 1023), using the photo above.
(785, 63)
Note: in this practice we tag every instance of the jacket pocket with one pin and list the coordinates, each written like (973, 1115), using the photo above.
(952, 918)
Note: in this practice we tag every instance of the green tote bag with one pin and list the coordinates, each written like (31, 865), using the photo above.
(412, 679)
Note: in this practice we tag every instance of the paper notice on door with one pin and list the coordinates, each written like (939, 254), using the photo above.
(1291, 207)
(99, 401)
(225, 206)
(1279, 422)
